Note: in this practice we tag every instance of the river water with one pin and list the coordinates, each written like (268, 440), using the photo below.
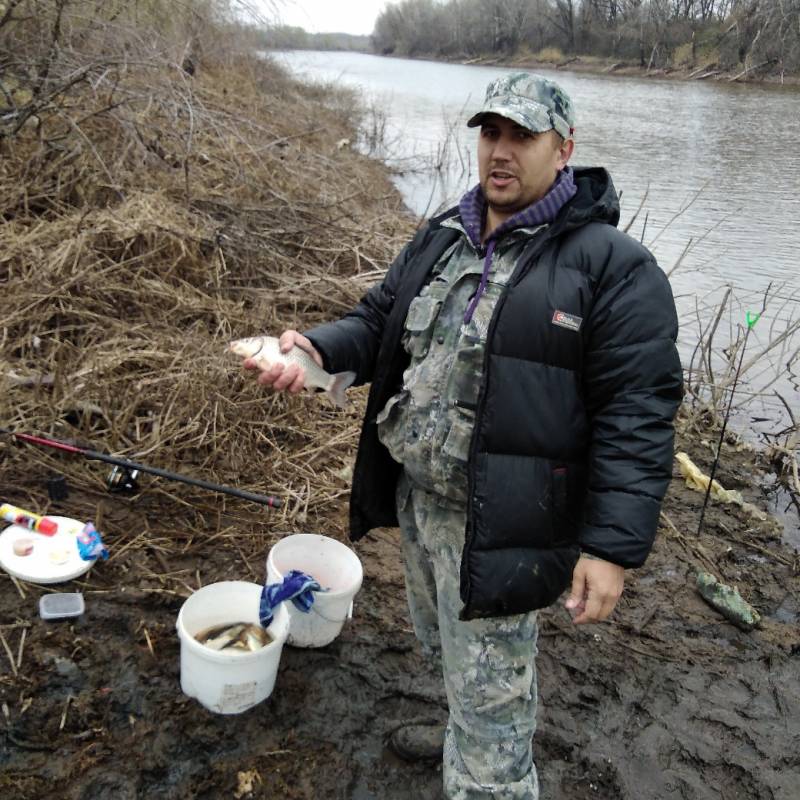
(715, 168)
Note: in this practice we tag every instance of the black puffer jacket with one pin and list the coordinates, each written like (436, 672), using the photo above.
(572, 446)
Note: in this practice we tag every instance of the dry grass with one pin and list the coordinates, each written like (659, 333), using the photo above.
(148, 217)
(550, 55)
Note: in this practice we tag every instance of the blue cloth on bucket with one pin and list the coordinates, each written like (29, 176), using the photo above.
(296, 586)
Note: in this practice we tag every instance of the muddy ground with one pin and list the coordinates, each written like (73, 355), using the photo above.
(668, 700)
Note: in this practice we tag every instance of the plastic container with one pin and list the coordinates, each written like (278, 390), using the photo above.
(228, 682)
(61, 605)
(335, 567)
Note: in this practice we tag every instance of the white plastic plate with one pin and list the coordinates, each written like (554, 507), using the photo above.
(39, 566)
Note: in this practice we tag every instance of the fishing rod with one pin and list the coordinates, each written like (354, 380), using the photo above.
(126, 478)
(751, 320)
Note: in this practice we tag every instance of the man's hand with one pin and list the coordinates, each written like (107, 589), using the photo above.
(290, 378)
(596, 587)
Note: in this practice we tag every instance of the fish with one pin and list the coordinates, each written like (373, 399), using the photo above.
(265, 351)
(244, 636)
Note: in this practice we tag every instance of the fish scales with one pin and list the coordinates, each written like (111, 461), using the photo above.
(265, 351)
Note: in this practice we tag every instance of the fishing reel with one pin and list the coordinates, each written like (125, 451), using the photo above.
(123, 480)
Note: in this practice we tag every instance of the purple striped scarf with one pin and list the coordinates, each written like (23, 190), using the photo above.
(472, 208)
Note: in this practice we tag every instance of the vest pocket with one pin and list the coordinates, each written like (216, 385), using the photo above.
(456, 444)
(466, 380)
(420, 320)
(389, 423)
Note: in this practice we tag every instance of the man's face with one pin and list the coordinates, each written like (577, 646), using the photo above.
(516, 166)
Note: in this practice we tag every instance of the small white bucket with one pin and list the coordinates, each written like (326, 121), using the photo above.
(335, 567)
(228, 682)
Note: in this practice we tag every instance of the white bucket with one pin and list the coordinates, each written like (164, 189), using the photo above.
(335, 567)
(228, 682)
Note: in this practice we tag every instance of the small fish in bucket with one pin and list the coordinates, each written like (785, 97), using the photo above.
(232, 635)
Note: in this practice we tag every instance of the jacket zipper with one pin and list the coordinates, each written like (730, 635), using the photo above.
(525, 265)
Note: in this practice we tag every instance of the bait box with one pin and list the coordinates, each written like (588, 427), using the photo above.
(61, 605)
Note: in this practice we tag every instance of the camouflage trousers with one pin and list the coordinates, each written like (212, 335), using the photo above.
(488, 664)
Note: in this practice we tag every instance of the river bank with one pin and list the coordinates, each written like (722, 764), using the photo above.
(595, 65)
(668, 700)
(599, 66)
(133, 249)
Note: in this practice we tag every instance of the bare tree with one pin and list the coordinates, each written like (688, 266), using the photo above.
(750, 34)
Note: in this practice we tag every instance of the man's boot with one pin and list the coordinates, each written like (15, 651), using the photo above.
(418, 742)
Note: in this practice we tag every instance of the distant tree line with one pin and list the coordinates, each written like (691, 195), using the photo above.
(291, 37)
(730, 35)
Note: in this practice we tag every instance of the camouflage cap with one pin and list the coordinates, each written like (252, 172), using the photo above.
(532, 101)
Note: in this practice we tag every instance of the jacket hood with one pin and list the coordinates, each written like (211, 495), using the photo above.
(595, 201)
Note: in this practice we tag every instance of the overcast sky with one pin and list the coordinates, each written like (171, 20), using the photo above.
(329, 16)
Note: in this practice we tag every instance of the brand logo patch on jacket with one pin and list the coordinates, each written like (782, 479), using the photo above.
(569, 321)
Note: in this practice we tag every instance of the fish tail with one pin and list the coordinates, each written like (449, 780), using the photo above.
(339, 385)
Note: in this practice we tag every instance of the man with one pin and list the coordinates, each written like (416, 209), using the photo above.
(519, 425)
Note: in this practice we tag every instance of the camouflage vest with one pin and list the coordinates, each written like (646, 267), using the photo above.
(427, 426)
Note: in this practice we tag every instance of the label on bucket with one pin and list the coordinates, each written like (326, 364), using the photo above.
(238, 696)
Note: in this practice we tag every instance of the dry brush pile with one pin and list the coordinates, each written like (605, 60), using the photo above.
(152, 208)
